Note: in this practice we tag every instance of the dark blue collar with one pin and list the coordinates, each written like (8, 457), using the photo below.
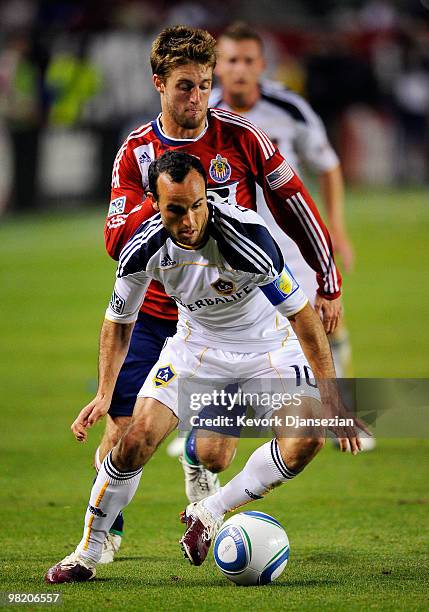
(173, 142)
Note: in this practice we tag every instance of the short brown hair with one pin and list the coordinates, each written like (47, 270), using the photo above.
(239, 30)
(181, 45)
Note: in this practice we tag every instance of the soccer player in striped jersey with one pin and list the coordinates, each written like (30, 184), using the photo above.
(203, 253)
(236, 156)
(301, 138)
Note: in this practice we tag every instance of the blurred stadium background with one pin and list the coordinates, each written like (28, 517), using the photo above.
(74, 79)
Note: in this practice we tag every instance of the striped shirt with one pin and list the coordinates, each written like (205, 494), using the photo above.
(237, 157)
(224, 291)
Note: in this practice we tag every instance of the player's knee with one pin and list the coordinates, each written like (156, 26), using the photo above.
(118, 428)
(215, 461)
(216, 452)
(309, 446)
(115, 428)
(135, 448)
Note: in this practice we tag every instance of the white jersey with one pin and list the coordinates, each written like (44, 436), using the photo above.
(225, 290)
(300, 135)
(291, 124)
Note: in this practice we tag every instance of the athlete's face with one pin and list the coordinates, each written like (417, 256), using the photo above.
(185, 94)
(183, 208)
(239, 67)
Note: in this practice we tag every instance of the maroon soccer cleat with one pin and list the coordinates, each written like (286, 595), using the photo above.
(201, 528)
(71, 569)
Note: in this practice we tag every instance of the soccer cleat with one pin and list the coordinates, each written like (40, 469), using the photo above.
(71, 569)
(201, 529)
(199, 481)
(111, 545)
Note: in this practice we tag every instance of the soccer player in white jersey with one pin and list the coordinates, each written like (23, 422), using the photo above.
(196, 249)
(301, 138)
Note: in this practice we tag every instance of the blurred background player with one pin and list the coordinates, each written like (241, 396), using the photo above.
(301, 137)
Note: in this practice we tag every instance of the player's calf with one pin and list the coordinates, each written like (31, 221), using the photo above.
(298, 452)
(114, 429)
(215, 451)
(151, 423)
(116, 426)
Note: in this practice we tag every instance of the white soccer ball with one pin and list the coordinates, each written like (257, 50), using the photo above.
(251, 548)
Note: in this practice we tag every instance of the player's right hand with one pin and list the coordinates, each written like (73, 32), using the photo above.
(88, 416)
(329, 311)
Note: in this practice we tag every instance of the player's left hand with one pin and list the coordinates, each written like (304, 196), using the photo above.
(88, 416)
(347, 426)
(349, 437)
(330, 312)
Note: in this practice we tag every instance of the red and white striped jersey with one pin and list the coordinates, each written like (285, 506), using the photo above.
(237, 156)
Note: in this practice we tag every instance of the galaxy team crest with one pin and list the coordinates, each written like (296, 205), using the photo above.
(164, 376)
(220, 170)
(224, 287)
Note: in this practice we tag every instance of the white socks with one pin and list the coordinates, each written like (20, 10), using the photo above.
(111, 492)
(264, 470)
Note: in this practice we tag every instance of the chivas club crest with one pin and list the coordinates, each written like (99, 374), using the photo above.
(220, 170)
(223, 287)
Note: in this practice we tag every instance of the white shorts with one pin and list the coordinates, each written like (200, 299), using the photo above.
(185, 369)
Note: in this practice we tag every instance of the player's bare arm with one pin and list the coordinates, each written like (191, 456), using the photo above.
(315, 346)
(114, 342)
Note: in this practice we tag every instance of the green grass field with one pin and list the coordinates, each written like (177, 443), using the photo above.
(357, 525)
